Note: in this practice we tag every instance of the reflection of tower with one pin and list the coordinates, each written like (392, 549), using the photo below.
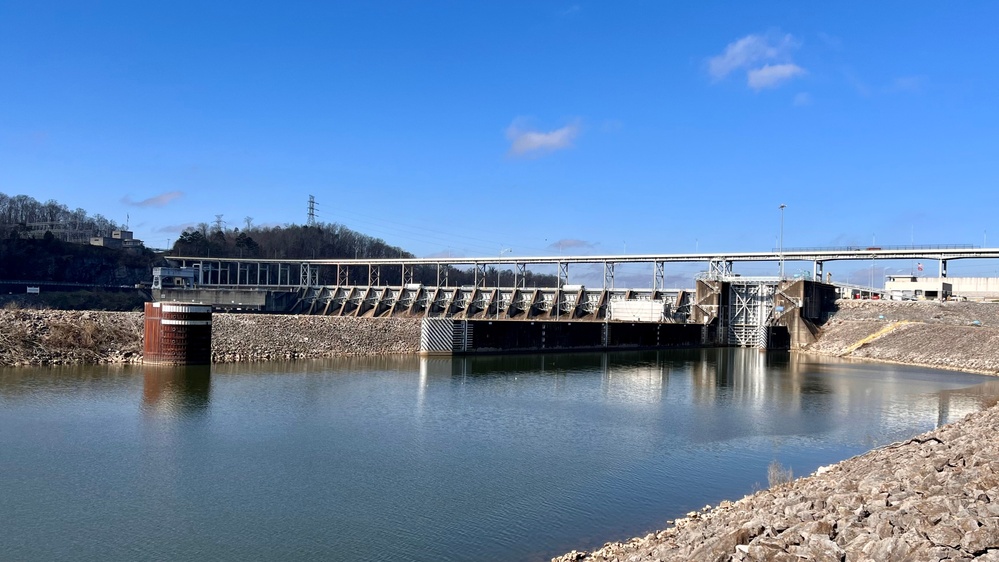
(177, 390)
(634, 382)
(943, 408)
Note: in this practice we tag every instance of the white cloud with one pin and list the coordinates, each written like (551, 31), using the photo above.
(772, 51)
(749, 51)
(771, 75)
(524, 141)
(802, 99)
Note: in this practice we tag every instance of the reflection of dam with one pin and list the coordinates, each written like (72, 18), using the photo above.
(798, 385)
(176, 389)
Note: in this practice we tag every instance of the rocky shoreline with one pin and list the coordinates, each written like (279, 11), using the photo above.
(57, 337)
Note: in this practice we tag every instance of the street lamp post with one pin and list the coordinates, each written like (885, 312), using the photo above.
(781, 245)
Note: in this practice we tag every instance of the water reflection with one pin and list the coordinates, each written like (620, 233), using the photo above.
(176, 390)
(378, 458)
(352, 364)
(820, 392)
(957, 403)
(26, 381)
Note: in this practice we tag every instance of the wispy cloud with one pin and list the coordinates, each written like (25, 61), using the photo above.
(771, 75)
(176, 228)
(447, 253)
(160, 200)
(570, 244)
(527, 142)
(765, 58)
(908, 84)
(831, 41)
(802, 99)
(611, 125)
(574, 9)
(859, 85)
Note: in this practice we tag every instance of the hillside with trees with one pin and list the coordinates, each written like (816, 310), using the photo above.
(322, 241)
(48, 242)
(23, 217)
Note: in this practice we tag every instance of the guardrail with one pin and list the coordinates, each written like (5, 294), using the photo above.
(875, 247)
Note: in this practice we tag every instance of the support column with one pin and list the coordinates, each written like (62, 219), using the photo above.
(608, 275)
(480, 275)
(817, 271)
(520, 275)
(659, 277)
(308, 276)
(563, 274)
(943, 268)
(442, 271)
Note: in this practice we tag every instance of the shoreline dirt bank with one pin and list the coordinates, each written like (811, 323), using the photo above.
(961, 336)
(58, 337)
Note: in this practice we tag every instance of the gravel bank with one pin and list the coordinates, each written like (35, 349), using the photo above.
(55, 337)
(265, 337)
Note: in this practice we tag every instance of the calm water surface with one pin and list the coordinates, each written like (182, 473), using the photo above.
(489, 458)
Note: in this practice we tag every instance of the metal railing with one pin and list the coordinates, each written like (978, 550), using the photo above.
(874, 247)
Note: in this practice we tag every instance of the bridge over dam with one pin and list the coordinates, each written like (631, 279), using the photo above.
(723, 308)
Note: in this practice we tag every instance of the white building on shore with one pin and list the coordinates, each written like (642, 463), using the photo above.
(911, 287)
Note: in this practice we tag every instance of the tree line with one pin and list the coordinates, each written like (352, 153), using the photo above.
(30, 251)
(19, 212)
(325, 241)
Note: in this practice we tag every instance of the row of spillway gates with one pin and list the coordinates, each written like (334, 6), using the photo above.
(723, 310)
(741, 312)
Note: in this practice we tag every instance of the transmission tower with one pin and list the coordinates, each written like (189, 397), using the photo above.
(218, 222)
(312, 211)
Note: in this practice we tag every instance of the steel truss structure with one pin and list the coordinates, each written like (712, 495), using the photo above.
(751, 310)
(275, 273)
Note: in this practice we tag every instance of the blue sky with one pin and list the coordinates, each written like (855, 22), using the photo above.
(471, 127)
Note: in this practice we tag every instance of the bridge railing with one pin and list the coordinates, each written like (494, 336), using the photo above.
(876, 247)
